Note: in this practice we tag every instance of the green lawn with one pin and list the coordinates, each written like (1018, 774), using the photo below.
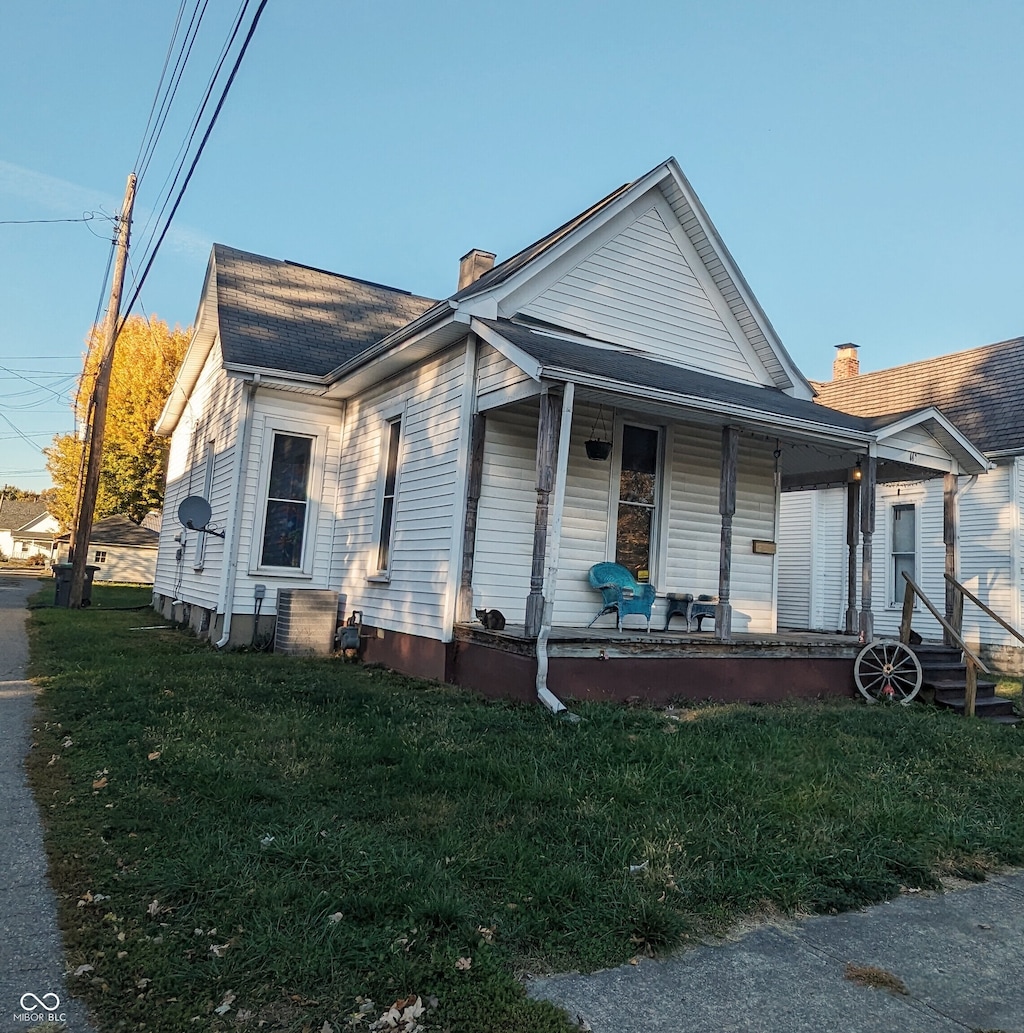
(245, 839)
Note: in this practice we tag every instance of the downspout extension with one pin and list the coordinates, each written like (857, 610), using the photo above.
(229, 573)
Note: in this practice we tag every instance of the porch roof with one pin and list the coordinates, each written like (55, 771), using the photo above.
(554, 355)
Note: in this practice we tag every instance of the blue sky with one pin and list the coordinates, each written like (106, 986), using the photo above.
(861, 160)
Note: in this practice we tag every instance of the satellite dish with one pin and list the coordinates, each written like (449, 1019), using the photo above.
(194, 512)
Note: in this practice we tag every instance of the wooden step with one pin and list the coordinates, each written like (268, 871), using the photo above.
(988, 708)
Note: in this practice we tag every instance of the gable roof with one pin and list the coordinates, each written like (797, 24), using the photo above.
(16, 514)
(119, 530)
(283, 316)
(979, 390)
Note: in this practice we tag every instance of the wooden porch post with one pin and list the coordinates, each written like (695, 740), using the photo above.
(949, 486)
(547, 442)
(727, 508)
(867, 528)
(464, 607)
(852, 514)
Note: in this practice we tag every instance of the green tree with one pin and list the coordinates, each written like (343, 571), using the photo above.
(146, 359)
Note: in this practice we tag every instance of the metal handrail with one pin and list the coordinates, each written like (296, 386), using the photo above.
(977, 602)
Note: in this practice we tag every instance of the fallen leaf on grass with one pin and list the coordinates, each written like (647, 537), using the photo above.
(154, 908)
(225, 1006)
(464, 964)
(153, 755)
(336, 917)
(218, 949)
(100, 783)
(487, 932)
(82, 969)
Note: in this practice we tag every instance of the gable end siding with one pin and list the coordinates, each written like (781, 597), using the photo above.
(639, 290)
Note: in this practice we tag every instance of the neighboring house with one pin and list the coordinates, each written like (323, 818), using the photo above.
(424, 458)
(120, 549)
(26, 530)
(980, 391)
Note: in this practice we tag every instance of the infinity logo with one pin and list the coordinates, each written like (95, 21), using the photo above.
(43, 1003)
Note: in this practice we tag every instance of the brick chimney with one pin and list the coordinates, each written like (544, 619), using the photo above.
(846, 363)
(473, 265)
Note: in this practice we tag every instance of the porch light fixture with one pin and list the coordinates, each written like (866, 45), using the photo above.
(856, 473)
(598, 447)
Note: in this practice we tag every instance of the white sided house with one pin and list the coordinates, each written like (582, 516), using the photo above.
(967, 524)
(26, 531)
(413, 460)
(120, 550)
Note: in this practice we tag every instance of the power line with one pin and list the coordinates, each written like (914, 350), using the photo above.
(88, 217)
(198, 155)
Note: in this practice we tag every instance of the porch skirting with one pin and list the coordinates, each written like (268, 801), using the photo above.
(657, 669)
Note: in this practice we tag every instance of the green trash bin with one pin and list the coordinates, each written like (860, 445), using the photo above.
(62, 575)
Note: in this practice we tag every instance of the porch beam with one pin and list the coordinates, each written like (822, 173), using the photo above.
(474, 480)
(548, 422)
(727, 509)
(869, 466)
(852, 515)
(949, 489)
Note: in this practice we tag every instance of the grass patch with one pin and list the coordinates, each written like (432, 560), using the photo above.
(297, 834)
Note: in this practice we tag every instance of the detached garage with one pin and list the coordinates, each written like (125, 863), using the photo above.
(121, 550)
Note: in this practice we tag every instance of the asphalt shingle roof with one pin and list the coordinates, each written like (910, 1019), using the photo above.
(17, 513)
(980, 390)
(631, 368)
(119, 530)
(282, 316)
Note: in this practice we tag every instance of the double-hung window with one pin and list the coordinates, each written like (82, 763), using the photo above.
(388, 494)
(903, 548)
(636, 514)
(288, 501)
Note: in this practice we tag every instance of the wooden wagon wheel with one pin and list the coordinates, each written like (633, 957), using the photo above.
(887, 672)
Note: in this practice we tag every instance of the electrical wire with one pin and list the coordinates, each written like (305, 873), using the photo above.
(88, 217)
(199, 152)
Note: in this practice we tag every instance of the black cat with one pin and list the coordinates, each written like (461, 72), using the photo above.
(492, 620)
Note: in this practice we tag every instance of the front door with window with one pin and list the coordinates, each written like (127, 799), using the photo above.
(637, 503)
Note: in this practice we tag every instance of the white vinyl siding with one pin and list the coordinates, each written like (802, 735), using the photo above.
(639, 290)
(414, 597)
(212, 415)
(795, 557)
(988, 530)
(495, 375)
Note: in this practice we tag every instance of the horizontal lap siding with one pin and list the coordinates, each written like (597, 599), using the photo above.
(753, 576)
(584, 524)
(639, 290)
(426, 509)
(829, 582)
(508, 498)
(494, 372)
(988, 530)
(303, 415)
(212, 414)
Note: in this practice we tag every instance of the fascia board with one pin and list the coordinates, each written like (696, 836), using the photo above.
(203, 337)
(971, 458)
(738, 279)
(526, 362)
(727, 410)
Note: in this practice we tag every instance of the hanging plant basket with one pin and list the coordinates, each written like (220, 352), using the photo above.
(597, 449)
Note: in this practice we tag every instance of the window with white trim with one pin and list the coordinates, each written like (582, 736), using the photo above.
(636, 513)
(388, 493)
(902, 548)
(286, 515)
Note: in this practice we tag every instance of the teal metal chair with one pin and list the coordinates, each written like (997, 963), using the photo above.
(621, 592)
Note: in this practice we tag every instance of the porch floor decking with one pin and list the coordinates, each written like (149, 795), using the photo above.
(636, 642)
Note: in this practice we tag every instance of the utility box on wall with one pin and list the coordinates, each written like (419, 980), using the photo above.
(306, 621)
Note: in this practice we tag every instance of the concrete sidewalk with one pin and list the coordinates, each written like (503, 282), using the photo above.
(957, 953)
(32, 968)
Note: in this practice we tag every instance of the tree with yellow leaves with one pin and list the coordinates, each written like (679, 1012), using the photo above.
(147, 356)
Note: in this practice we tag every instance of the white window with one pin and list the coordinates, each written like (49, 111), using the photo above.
(291, 465)
(388, 495)
(902, 549)
(636, 512)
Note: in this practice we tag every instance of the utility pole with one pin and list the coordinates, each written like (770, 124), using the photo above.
(94, 440)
